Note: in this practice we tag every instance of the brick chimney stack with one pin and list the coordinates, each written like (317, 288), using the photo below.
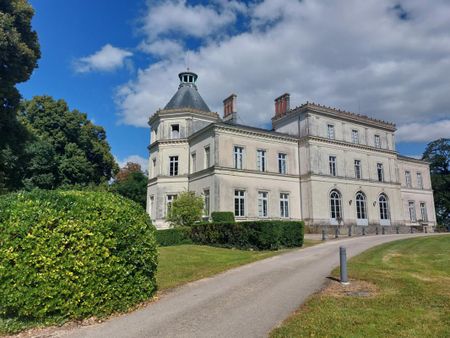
(282, 105)
(229, 109)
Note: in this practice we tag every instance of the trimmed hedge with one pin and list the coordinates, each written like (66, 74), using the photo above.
(73, 254)
(222, 217)
(173, 236)
(261, 235)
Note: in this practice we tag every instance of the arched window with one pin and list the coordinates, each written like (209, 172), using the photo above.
(384, 207)
(361, 207)
(336, 205)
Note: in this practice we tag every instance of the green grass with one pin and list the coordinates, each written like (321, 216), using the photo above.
(413, 298)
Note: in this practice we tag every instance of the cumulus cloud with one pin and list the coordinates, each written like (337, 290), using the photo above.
(389, 60)
(108, 58)
(423, 132)
(143, 162)
(164, 48)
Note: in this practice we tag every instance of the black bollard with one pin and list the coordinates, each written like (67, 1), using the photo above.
(397, 231)
(376, 230)
(343, 261)
(426, 229)
(350, 231)
(323, 235)
(364, 231)
(382, 230)
(410, 229)
(336, 233)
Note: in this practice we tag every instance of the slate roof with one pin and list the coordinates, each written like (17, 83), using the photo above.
(187, 96)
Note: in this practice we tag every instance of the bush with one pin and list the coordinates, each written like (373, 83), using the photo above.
(174, 236)
(73, 254)
(186, 209)
(261, 235)
(222, 216)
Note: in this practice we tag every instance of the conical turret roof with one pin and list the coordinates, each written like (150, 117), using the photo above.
(187, 95)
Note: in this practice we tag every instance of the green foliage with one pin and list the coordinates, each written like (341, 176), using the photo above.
(261, 235)
(66, 148)
(438, 154)
(222, 216)
(131, 184)
(19, 52)
(186, 209)
(174, 236)
(73, 254)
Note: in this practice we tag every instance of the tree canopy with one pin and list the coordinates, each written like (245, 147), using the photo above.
(438, 154)
(19, 52)
(65, 147)
(131, 182)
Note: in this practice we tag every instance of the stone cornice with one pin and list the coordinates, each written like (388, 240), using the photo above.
(167, 141)
(178, 111)
(337, 113)
(411, 159)
(267, 135)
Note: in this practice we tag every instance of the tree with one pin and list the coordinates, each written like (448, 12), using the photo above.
(186, 209)
(19, 52)
(131, 182)
(65, 147)
(438, 154)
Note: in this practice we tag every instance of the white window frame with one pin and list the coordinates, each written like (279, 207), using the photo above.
(408, 179)
(380, 172)
(355, 136)
(383, 206)
(174, 165)
(239, 198)
(419, 180)
(332, 164)
(174, 134)
(335, 198)
(361, 208)
(377, 141)
(207, 152)
(263, 204)
(261, 160)
(238, 157)
(194, 162)
(207, 202)
(423, 211)
(169, 200)
(282, 163)
(412, 211)
(331, 132)
(284, 205)
(358, 171)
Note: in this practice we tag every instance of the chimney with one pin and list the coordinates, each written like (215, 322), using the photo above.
(229, 109)
(282, 105)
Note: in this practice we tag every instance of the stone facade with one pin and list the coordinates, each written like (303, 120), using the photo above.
(327, 167)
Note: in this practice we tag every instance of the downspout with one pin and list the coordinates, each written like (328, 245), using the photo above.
(299, 170)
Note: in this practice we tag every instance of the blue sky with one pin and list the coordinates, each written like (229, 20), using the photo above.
(118, 61)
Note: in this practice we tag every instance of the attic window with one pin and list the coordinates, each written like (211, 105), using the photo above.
(175, 131)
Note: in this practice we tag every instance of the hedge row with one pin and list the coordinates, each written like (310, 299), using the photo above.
(260, 235)
(222, 217)
(173, 236)
(73, 254)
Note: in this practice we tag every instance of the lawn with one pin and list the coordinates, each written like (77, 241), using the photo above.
(406, 293)
(185, 263)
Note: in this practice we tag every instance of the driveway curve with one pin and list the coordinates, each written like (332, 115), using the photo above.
(247, 301)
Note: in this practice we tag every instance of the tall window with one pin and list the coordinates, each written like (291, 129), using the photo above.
(151, 206)
(408, 179)
(332, 164)
(380, 172)
(331, 134)
(207, 202)
(384, 207)
(238, 156)
(412, 211)
(169, 201)
(419, 181)
(355, 136)
(262, 203)
(357, 169)
(194, 162)
(377, 141)
(173, 166)
(261, 159)
(284, 205)
(239, 203)
(361, 207)
(282, 164)
(207, 157)
(154, 167)
(175, 131)
(335, 204)
(423, 211)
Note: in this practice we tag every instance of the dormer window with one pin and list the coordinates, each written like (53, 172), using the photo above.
(175, 131)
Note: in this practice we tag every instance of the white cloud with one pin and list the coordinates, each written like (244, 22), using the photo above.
(423, 132)
(162, 47)
(355, 55)
(135, 159)
(108, 58)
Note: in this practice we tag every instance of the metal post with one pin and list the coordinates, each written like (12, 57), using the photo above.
(376, 230)
(410, 229)
(350, 231)
(426, 229)
(364, 231)
(343, 261)
(336, 234)
(398, 231)
(382, 230)
(323, 235)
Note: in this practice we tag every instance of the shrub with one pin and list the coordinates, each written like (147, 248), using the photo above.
(73, 254)
(186, 209)
(222, 216)
(174, 236)
(261, 235)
